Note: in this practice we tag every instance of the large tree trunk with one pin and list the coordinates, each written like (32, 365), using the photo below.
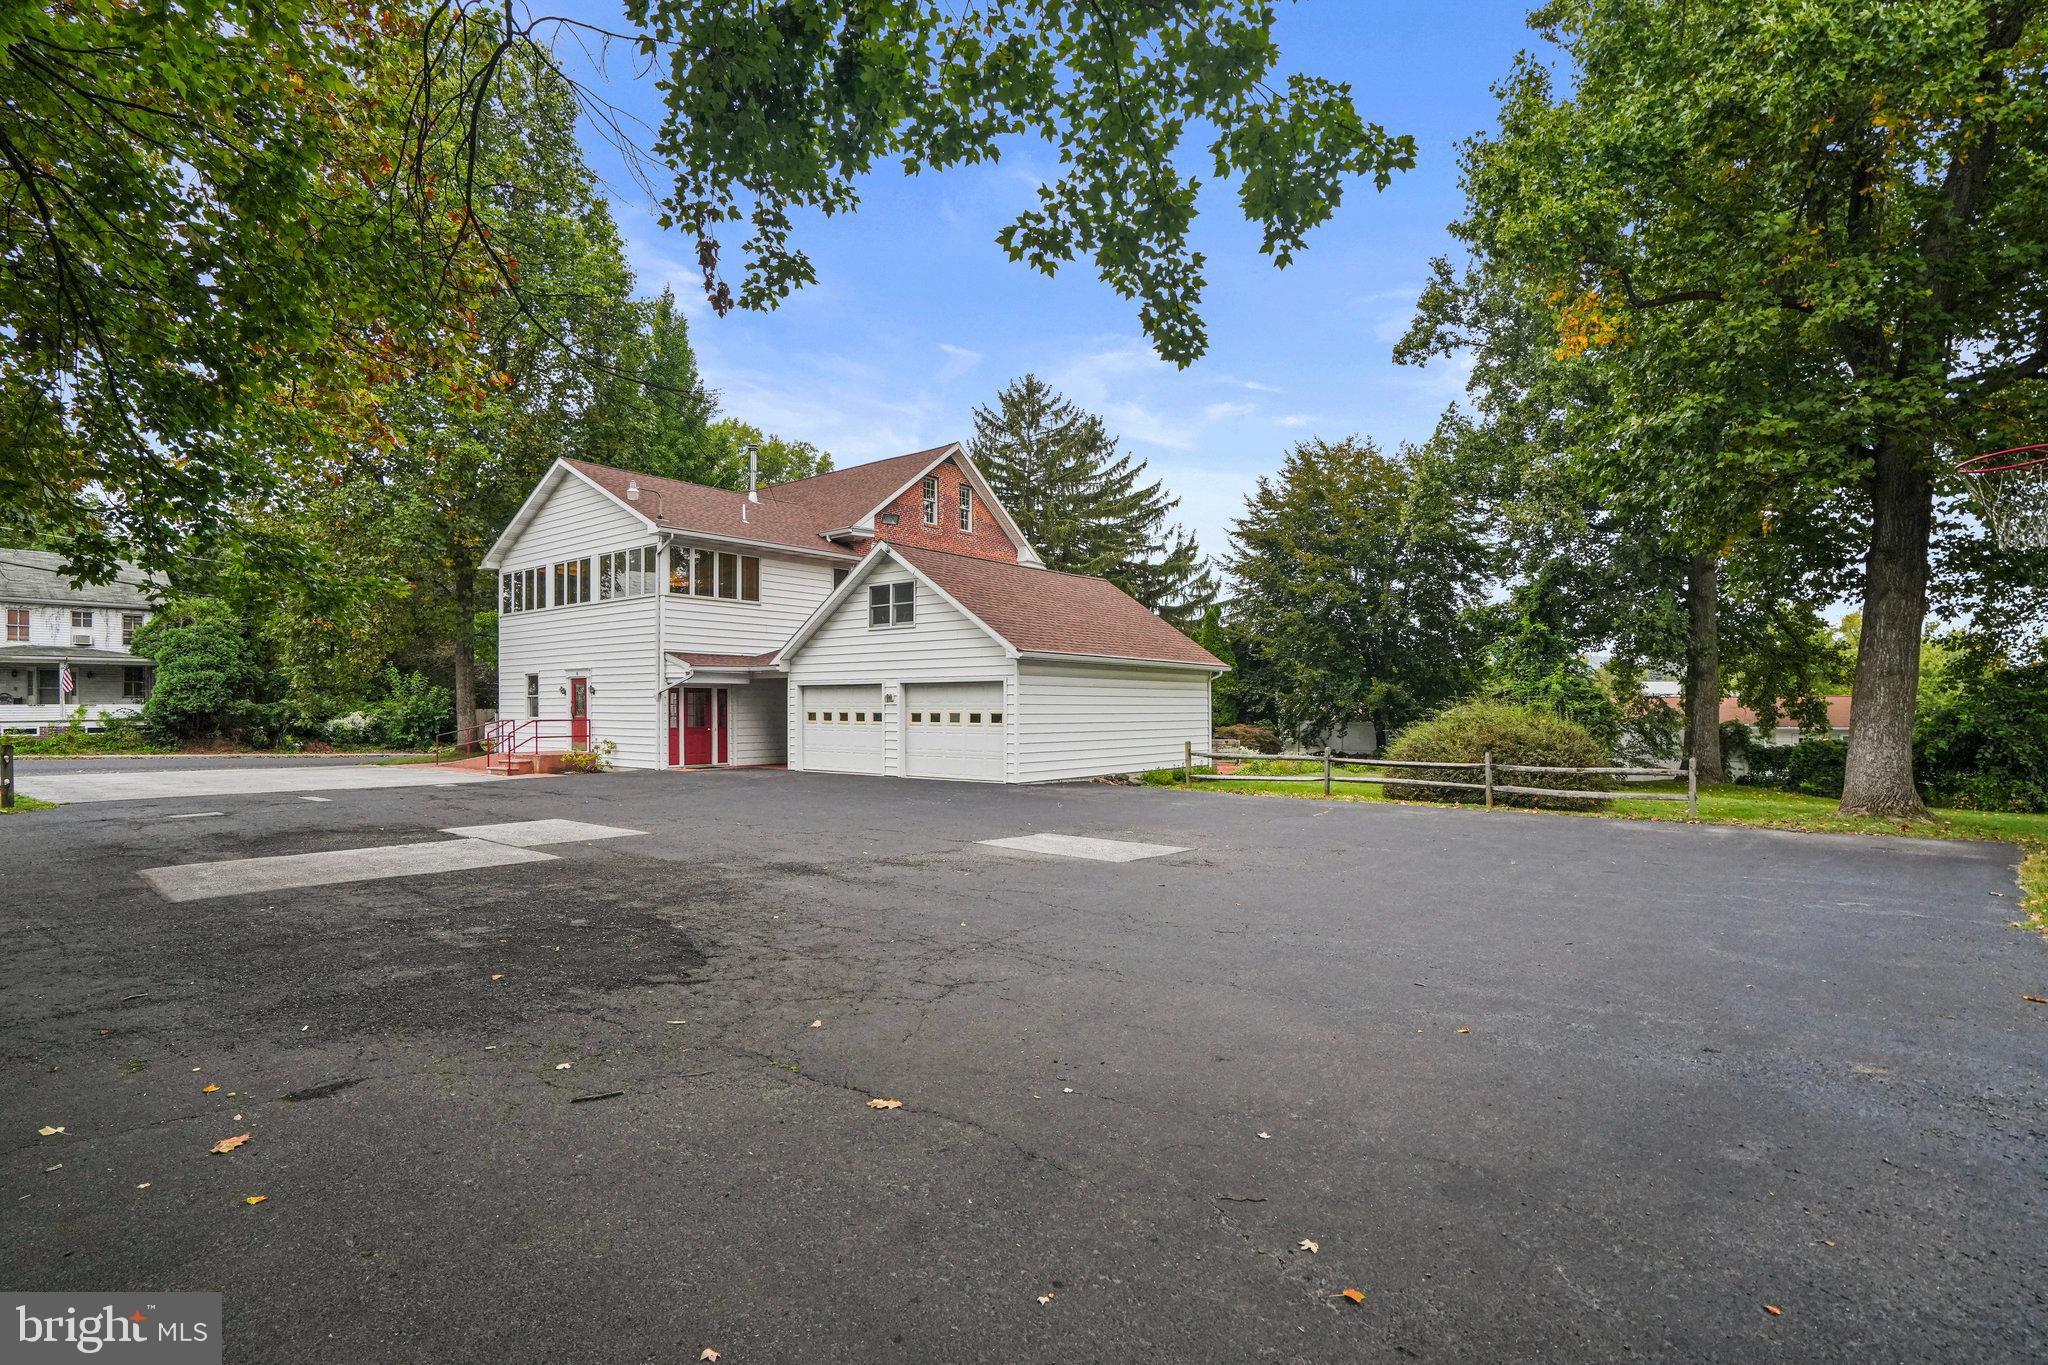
(463, 594)
(1703, 666)
(1880, 773)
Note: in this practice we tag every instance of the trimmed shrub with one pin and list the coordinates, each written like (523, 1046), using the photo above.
(1816, 767)
(412, 713)
(1255, 739)
(1466, 733)
(206, 684)
(1170, 777)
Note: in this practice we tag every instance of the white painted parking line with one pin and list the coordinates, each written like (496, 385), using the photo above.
(195, 815)
(240, 876)
(154, 783)
(1074, 846)
(534, 833)
(316, 798)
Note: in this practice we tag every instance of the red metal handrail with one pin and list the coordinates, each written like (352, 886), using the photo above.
(502, 741)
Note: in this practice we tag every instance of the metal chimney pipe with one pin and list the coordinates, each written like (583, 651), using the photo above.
(753, 449)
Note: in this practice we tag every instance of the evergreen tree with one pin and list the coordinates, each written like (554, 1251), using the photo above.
(1083, 506)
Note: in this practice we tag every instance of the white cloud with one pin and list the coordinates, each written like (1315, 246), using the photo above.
(959, 360)
(1223, 412)
(1293, 421)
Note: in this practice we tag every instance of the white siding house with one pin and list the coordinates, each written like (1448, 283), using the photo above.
(65, 652)
(885, 619)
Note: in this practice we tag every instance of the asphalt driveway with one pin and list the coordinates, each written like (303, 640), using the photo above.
(1706, 1070)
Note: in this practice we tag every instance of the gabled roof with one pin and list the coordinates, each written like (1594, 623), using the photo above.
(1029, 610)
(847, 497)
(38, 576)
(802, 515)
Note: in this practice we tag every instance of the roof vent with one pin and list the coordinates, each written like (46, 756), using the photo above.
(632, 490)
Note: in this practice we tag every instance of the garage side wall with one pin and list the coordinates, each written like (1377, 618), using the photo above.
(1087, 720)
(941, 646)
(610, 643)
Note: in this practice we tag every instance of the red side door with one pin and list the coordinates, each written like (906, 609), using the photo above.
(696, 725)
(675, 726)
(579, 712)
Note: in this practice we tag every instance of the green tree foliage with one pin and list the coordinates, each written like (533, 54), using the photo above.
(1804, 242)
(1084, 506)
(651, 412)
(1533, 664)
(1982, 739)
(231, 227)
(1211, 635)
(1356, 574)
(208, 684)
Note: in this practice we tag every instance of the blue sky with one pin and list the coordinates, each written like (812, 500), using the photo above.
(917, 316)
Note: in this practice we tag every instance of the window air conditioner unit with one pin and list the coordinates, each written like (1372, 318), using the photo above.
(81, 639)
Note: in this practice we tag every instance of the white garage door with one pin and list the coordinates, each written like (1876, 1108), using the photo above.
(843, 729)
(954, 730)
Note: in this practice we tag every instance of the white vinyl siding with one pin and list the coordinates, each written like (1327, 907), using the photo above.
(756, 721)
(1087, 720)
(791, 589)
(610, 643)
(941, 645)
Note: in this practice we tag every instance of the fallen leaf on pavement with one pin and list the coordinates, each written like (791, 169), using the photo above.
(1267, 1136)
(1354, 1295)
(58, 1167)
(1774, 1310)
(1464, 1030)
(497, 976)
(1308, 1244)
(229, 1144)
(49, 1132)
(563, 1066)
(2035, 999)
(255, 1199)
(675, 1021)
(208, 1088)
(145, 1185)
(885, 1104)
(707, 1354)
(1045, 1298)
(817, 1023)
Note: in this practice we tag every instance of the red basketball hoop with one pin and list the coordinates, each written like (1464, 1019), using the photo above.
(2009, 489)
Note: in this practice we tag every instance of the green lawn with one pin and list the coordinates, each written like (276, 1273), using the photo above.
(1738, 805)
(25, 803)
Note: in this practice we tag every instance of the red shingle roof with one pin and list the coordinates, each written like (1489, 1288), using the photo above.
(724, 660)
(844, 496)
(1042, 611)
(1839, 709)
(677, 506)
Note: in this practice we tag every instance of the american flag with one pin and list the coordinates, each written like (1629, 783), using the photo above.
(65, 684)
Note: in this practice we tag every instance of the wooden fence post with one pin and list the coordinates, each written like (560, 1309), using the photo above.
(1326, 770)
(7, 776)
(1187, 763)
(1692, 787)
(1489, 779)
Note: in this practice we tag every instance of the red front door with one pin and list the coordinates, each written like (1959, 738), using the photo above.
(579, 713)
(697, 725)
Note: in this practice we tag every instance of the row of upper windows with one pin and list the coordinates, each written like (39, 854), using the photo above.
(81, 619)
(692, 572)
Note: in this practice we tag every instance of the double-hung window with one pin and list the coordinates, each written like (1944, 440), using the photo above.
(532, 695)
(892, 604)
(17, 625)
(131, 621)
(81, 620)
(966, 508)
(931, 500)
(134, 683)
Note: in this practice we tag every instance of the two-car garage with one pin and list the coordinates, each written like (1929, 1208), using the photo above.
(946, 730)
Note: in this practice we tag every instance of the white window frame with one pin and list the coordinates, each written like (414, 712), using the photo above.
(81, 618)
(135, 682)
(532, 696)
(897, 603)
(966, 507)
(930, 499)
(131, 621)
(721, 575)
(24, 625)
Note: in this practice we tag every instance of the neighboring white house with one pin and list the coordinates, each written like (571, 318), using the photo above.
(63, 648)
(888, 618)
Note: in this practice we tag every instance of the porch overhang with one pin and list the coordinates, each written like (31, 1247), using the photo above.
(729, 669)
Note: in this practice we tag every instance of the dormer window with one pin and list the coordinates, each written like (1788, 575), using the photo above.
(931, 500)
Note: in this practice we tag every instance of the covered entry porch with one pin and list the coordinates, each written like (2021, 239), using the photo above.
(723, 710)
